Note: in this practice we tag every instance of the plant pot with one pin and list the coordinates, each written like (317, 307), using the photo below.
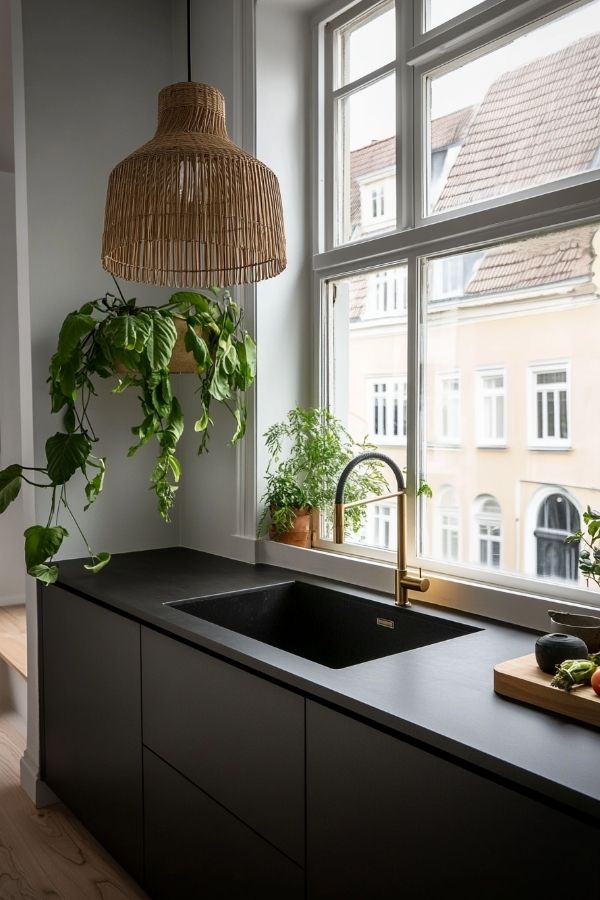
(299, 535)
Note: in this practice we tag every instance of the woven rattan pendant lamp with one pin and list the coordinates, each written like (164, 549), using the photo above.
(189, 208)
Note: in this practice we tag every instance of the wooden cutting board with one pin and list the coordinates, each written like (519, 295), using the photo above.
(521, 679)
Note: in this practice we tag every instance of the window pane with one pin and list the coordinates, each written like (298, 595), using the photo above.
(365, 45)
(439, 11)
(500, 121)
(366, 162)
(368, 380)
(514, 335)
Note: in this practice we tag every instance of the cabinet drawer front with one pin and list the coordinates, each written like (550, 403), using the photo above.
(388, 819)
(195, 848)
(235, 735)
(91, 718)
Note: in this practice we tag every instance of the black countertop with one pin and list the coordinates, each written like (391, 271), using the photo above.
(441, 695)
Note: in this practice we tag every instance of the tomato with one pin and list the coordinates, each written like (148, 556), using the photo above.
(596, 681)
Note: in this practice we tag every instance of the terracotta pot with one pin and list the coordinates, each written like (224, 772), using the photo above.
(299, 534)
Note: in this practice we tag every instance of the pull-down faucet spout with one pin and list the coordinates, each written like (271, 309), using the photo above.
(403, 581)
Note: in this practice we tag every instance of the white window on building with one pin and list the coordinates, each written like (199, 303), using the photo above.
(377, 210)
(448, 525)
(549, 406)
(490, 415)
(377, 201)
(487, 526)
(450, 275)
(557, 518)
(449, 408)
(387, 292)
(388, 410)
(383, 525)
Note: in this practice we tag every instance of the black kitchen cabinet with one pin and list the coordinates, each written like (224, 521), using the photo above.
(238, 737)
(195, 848)
(91, 719)
(387, 819)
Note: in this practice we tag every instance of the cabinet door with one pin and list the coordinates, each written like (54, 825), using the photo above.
(91, 719)
(386, 819)
(237, 736)
(195, 848)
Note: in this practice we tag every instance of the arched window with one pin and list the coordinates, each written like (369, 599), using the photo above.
(488, 531)
(448, 524)
(557, 517)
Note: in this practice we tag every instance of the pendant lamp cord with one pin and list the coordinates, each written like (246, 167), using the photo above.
(189, 40)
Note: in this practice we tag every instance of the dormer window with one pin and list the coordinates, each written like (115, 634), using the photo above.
(377, 201)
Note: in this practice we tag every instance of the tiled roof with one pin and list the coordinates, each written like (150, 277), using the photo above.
(380, 155)
(536, 124)
(547, 259)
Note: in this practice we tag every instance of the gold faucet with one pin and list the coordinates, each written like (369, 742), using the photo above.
(403, 581)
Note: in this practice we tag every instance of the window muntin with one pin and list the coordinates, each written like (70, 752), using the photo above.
(549, 406)
(490, 413)
(507, 112)
(388, 411)
(365, 44)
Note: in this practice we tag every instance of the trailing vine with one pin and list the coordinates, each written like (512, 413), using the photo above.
(114, 336)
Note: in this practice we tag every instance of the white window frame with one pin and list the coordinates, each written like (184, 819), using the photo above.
(547, 442)
(565, 203)
(481, 439)
(396, 389)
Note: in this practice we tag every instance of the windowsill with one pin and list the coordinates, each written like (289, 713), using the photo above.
(444, 445)
(549, 448)
(505, 604)
(483, 446)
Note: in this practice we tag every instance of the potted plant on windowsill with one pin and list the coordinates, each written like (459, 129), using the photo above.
(139, 345)
(307, 451)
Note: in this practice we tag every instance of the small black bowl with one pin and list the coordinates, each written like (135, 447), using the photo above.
(552, 649)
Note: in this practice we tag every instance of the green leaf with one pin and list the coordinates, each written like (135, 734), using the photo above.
(94, 486)
(103, 560)
(69, 420)
(42, 543)
(185, 299)
(161, 340)
(75, 327)
(171, 434)
(196, 345)
(240, 417)
(124, 383)
(10, 485)
(43, 573)
(202, 423)
(65, 453)
(121, 332)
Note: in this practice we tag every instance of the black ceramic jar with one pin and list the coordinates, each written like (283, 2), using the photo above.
(552, 649)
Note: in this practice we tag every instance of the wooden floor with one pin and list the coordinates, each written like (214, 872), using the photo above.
(13, 637)
(47, 853)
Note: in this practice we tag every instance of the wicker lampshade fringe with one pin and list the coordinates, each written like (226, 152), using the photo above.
(189, 208)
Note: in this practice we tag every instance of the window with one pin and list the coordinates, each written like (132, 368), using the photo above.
(448, 525)
(507, 107)
(472, 278)
(490, 415)
(557, 518)
(449, 408)
(549, 425)
(388, 411)
(383, 526)
(387, 292)
(488, 532)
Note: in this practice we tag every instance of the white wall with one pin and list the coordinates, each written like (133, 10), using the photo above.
(87, 76)
(12, 578)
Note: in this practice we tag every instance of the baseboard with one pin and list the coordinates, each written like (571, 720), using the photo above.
(14, 600)
(36, 789)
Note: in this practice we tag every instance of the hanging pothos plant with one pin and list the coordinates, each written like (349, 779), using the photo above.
(113, 336)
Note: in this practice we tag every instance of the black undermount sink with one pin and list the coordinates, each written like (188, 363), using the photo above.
(323, 625)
